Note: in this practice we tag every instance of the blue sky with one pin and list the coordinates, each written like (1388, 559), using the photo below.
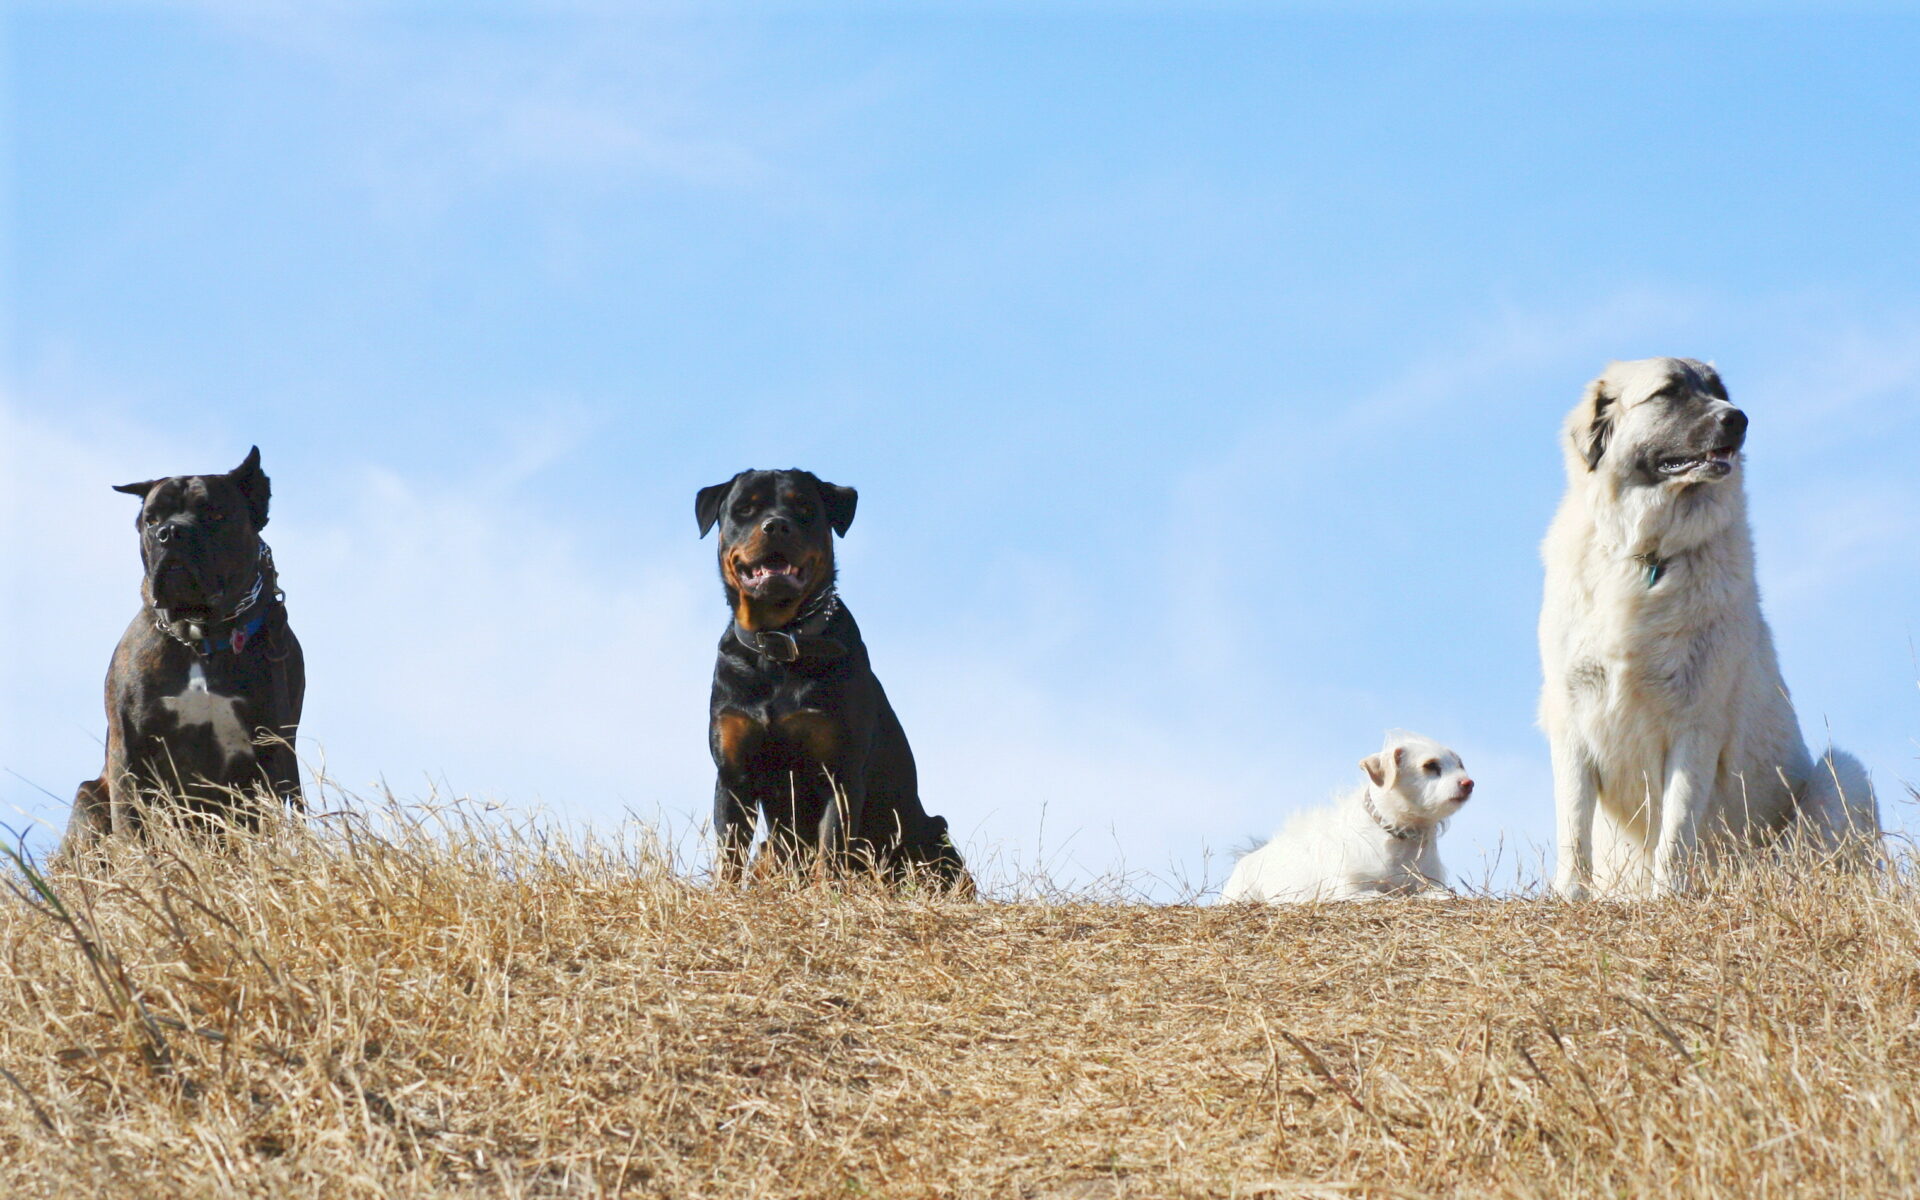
(1200, 372)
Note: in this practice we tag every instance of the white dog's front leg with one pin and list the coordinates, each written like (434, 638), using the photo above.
(1576, 797)
(1683, 807)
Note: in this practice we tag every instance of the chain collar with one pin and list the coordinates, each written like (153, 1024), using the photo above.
(1401, 833)
(196, 639)
(824, 606)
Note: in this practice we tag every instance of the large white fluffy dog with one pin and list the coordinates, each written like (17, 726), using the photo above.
(1379, 839)
(1673, 738)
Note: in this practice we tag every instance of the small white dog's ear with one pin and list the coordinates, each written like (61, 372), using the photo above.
(1382, 767)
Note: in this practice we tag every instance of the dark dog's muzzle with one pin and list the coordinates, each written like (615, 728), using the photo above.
(180, 575)
(177, 585)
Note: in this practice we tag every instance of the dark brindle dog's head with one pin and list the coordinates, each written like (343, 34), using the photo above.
(1658, 421)
(776, 540)
(200, 539)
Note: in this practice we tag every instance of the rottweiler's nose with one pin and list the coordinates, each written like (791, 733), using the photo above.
(1734, 422)
(775, 525)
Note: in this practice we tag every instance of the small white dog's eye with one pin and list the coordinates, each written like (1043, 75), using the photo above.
(1431, 766)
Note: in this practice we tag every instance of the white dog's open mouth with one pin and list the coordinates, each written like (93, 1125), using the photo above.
(1714, 463)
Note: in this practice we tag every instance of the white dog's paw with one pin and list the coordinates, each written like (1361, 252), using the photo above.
(1436, 893)
(1573, 891)
(1667, 887)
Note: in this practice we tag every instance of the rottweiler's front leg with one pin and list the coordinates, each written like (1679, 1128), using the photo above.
(733, 824)
(837, 761)
(735, 739)
(842, 842)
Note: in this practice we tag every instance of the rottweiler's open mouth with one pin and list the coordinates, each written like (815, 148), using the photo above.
(773, 571)
(1716, 463)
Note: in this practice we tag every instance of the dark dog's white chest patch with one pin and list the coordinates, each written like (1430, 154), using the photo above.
(198, 705)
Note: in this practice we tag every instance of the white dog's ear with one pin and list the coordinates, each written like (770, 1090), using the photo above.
(1716, 386)
(1383, 767)
(1592, 425)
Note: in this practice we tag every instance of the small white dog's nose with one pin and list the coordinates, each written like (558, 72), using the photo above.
(1466, 788)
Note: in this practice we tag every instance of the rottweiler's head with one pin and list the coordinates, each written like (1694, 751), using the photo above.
(776, 540)
(200, 538)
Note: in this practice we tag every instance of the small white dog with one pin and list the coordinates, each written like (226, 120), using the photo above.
(1379, 839)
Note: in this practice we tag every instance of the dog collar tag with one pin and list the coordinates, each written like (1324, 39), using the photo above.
(238, 641)
(1656, 568)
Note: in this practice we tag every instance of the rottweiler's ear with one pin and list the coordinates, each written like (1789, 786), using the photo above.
(840, 502)
(254, 485)
(137, 489)
(706, 505)
(1593, 428)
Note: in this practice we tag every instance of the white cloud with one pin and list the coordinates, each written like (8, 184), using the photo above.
(615, 98)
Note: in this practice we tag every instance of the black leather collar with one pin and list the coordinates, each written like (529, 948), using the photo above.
(803, 637)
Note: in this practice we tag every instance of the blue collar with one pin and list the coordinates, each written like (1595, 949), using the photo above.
(236, 640)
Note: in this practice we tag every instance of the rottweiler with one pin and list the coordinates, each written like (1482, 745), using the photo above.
(205, 688)
(799, 726)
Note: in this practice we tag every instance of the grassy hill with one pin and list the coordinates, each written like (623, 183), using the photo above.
(448, 1009)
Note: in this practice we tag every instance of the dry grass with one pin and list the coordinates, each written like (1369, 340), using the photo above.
(449, 1009)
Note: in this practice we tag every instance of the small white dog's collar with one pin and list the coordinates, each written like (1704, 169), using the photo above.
(1404, 833)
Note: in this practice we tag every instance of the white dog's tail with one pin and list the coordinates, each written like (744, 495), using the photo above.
(1839, 815)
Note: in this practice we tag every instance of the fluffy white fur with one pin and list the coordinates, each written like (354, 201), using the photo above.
(1672, 734)
(1342, 851)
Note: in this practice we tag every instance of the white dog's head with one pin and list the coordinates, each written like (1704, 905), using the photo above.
(1661, 442)
(1657, 422)
(1416, 781)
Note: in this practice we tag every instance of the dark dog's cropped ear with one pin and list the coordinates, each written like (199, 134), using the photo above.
(254, 485)
(840, 502)
(706, 505)
(1593, 429)
(137, 489)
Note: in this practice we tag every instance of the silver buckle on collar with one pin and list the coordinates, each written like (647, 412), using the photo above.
(779, 645)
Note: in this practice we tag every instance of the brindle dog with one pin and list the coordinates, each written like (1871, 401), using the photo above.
(800, 728)
(205, 688)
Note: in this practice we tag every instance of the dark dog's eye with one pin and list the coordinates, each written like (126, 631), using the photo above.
(1432, 766)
